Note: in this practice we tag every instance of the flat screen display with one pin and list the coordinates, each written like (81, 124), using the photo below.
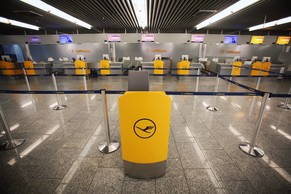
(147, 37)
(34, 40)
(257, 39)
(197, 38)
(283, 40)
(230, 39)
(64, 39)
(113, 38)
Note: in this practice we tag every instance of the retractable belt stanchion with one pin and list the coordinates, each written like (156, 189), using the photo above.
(197, 80)
(85, 81)
(10, 143)
(251, 148)
(286, 103)
(108, 146)
(259, 80)
(59, 106)
(213, 108)
(26, 79)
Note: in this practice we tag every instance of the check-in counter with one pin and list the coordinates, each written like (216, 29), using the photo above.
(69, 68)
(226, 69)
(116, 68)
(194, 68)
(43, 68)
(148, 66)
(223, 69)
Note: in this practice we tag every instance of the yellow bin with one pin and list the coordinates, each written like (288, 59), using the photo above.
(182, 67)
(144, 131)
(158, 67)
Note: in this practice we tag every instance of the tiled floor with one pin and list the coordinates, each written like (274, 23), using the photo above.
(61, 154)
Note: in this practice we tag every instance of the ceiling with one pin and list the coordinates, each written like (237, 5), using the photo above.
(164, 16)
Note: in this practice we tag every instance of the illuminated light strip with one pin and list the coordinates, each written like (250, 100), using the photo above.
(226, 12)
(140, 9)
(34, 145)
(270, 24)
(26, 104)
(17, 23)
(50, 9)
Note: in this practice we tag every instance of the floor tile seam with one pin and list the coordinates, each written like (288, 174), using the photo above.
(208, 164)
(180, 161)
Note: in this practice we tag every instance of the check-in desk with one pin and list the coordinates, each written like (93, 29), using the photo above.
(42, 68)
(69, 69)
(148, 66)
(116, 68)
(223, 69)
(12, 68)
(194, 68)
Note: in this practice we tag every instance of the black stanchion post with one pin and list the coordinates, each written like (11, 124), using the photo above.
(59, 106)
(11, 142)
(26, 79)
(251, 148)
(213, 108)
(108, 146)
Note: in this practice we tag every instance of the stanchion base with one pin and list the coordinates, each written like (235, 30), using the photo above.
(60, 107)
(108, 148)
(253, 151)
(283, 106)
(10, 145)
(211, 108)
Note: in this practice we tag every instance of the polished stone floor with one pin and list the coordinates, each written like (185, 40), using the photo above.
(60, 154)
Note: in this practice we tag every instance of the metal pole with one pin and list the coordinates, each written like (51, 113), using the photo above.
(59, 106)
(213, 108)
(286, 103)
(85, 81)
(108, 146)
(10, 143)
(26, 79)
(259, 80)
(197, 80)
(251, 148)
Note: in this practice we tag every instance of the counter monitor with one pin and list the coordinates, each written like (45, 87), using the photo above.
(113, 38)
(64, 39)
(34, 40)
(147, 37)
(283, 40)
(230, 39)
(197, 38)
(257, 39)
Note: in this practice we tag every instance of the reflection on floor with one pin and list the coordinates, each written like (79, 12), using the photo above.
(61, 154)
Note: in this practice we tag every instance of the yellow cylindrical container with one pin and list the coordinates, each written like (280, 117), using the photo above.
(158, 64)
(144, 131)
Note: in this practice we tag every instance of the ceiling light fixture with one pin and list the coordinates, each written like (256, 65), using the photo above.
(17, 23)
(226, 12)
(140, 9)
(273, 23)
(50, 9)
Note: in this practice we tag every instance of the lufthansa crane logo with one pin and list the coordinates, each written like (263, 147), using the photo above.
(144, 128)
